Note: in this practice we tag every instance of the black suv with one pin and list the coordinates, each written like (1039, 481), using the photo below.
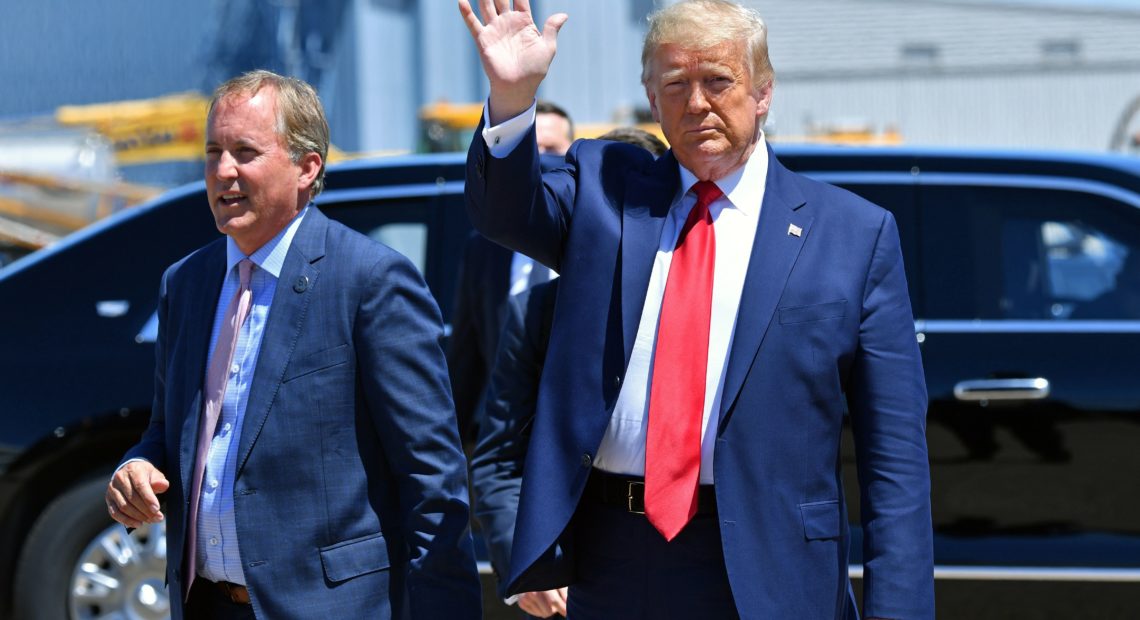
(1023, 277)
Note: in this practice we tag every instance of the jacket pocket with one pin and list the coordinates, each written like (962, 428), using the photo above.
(352, 558)
(814, 312)
(309, 363)
(821, 519)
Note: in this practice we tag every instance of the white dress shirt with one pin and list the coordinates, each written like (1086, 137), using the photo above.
(527, 272)
(735, 217)
(218, 558)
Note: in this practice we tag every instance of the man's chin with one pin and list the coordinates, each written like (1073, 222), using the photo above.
(707, 155)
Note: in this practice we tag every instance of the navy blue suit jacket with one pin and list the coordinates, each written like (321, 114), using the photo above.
(350, 493)
(504, 432)
(481, 297)
(477, 320)
(824, 326)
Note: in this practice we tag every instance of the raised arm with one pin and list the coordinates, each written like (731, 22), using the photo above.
(515, 55)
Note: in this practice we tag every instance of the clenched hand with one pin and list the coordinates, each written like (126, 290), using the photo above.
(132, 494)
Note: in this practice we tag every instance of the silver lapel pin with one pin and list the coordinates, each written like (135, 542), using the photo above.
(794, 230)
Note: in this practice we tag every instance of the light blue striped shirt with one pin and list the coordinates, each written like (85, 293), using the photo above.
(218, 558)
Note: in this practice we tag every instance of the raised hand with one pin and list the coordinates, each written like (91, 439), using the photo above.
(515, 55)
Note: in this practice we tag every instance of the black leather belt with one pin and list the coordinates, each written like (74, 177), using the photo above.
(628, 493)
(236, 593)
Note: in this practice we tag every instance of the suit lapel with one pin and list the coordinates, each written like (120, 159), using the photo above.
(774, 253)
(201, 303)
(283, 327)
(648, 197)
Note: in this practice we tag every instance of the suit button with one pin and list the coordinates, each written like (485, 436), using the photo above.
(617, 381)
(586, 460)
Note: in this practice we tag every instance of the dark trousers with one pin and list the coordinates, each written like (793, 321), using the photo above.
(625, 569)
(207, 602)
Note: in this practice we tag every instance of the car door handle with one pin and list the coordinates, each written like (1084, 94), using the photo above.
(1002, 389)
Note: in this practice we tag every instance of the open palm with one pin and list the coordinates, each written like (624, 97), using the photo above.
(515, 55)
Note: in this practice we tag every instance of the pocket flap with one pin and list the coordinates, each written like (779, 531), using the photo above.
(821, 519)
(355, 557)
(814, 312)
(318, 360)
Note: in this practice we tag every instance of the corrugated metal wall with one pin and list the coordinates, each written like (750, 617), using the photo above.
(993, 74)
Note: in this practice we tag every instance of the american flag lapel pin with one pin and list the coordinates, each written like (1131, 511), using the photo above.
(794, 230)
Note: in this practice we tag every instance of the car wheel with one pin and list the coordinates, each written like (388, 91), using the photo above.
(78, 563)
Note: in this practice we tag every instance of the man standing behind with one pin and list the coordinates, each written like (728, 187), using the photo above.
(302, 430)
(488, 275)
(716, 315)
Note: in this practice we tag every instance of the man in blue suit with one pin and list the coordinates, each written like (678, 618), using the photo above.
(718, 318)
(308, 453)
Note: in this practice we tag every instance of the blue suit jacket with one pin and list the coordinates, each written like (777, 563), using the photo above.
(824, 326)
(481, 298)
(350, 492)
(504, 431)
(477, 319)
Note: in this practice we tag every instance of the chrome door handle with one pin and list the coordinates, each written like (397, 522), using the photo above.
(1002, 389)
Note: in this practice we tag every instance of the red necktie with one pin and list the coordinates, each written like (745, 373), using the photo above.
(677, 394)
(217, 375)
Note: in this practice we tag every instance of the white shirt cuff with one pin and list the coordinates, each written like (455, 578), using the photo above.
(502, 139)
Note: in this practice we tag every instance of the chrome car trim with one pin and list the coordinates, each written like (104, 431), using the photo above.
(1002, 389)
(1001, 326)
(1025, 573)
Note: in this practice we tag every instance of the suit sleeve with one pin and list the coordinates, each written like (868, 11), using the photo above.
(465, 363)
(152, 446)
(512, 203)
(497, 463)
(887, 401)
(404, 379)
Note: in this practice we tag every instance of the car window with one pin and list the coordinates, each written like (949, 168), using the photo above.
(899, 199)
(1029, 254)
(407, 238)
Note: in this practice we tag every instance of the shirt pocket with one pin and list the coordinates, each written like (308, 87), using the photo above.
(821, 519)
(352, 558)
(814, 312)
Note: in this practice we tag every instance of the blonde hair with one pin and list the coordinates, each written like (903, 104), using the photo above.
(696, 24)
(300, 117)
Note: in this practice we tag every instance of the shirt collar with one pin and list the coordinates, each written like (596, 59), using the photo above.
(744, 188)
(271, 256)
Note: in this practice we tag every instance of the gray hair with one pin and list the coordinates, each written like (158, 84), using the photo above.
(301, 120)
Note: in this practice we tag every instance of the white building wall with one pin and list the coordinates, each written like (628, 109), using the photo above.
(990, 82)
(1064, 110)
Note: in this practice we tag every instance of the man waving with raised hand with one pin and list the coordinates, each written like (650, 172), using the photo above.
(718, 320)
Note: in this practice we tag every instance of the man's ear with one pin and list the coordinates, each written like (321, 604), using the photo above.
(764, 98)
(309, 167)
(652, 103)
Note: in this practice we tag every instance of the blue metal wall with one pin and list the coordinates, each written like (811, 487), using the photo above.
(375, 62)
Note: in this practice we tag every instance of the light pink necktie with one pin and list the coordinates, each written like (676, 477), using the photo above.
(217, 375)
(677, 394)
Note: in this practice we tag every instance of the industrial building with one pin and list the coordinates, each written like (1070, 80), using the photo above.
(946, 72)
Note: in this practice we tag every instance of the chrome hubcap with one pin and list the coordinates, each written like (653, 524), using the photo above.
(121, 577)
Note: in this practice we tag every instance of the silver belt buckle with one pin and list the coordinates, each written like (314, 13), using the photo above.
(629, 496)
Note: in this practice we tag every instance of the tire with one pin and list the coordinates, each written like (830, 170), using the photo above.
(77, 563)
